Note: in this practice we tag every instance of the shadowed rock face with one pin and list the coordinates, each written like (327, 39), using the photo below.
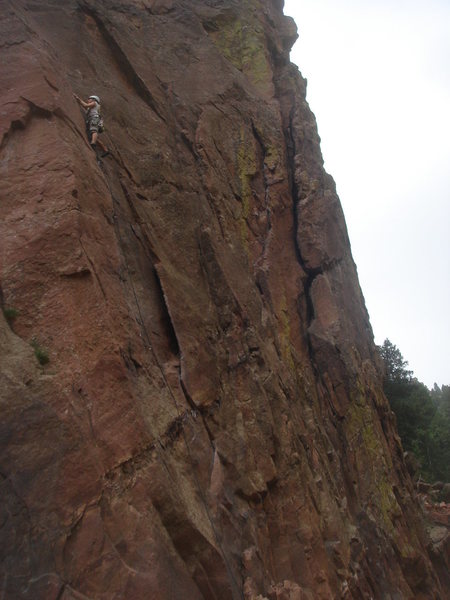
(211, 422)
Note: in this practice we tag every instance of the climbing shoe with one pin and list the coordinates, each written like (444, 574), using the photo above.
(106, 153)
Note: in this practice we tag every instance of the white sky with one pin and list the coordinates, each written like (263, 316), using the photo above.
(378, 76)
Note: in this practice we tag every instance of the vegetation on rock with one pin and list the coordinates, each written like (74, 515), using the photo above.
(40, 353)
(10, 313)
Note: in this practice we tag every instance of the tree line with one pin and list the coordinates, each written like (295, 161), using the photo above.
(423, 415)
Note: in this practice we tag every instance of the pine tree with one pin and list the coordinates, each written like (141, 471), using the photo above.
(423, 416)
(394, 363)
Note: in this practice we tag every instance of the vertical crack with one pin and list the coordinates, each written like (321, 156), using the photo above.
(311, 273)
(194, 407)
(93, 269)
(258, 138)
(61, 592)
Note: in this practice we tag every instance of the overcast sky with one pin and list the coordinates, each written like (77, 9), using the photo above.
(379, 84)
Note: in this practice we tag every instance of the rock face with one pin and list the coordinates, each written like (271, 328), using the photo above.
(210, 423)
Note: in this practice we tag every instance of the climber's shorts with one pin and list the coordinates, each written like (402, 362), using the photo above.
(92, 125)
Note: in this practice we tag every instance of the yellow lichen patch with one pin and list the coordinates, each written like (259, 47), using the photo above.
(359, 421)
(387, 502)
(247, 168)
(242, 42)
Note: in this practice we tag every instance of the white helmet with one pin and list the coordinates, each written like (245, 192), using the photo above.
(96, 98)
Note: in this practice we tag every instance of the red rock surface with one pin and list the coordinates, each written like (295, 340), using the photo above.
(437, 517)
(210, 423)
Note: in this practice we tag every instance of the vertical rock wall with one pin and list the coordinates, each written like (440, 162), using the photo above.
(210, 423)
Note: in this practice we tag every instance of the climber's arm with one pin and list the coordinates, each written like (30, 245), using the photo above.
(89, 104)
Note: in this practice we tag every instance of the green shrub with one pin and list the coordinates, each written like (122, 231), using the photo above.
(10, 313)
(40, 353)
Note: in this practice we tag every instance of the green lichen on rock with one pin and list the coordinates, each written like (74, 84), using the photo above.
(241, 40)
(386, 502)
(365, 440)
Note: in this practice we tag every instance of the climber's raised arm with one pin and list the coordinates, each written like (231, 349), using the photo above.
(89, 104)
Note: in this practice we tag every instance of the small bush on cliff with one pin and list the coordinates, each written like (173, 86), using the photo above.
(423, 416)
(10, 313)
(40, 353)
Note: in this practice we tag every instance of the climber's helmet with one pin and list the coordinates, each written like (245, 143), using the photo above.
(96, 98)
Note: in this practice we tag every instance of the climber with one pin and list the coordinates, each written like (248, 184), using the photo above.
(94, 122)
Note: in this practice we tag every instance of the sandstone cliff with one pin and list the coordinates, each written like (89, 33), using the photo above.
(210, 423)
